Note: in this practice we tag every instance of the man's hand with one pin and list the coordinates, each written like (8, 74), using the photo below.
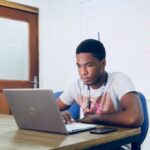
(88, 118)
(67, 117)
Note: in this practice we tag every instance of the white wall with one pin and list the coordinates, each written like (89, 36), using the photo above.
(60, 67)
(59, 34)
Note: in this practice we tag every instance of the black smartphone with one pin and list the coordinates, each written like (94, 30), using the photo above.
(103, 130)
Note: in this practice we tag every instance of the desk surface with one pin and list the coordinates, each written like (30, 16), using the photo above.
(13, 138)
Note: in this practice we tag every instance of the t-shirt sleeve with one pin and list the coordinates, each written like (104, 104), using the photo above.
(122, 84)
(70, 94)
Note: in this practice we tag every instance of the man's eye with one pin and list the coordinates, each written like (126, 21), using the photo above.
(89, 65)
(78, 66)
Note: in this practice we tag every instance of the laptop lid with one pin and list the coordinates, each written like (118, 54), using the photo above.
(36, 109)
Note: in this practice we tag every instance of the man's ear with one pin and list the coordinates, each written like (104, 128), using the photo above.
(103, 62)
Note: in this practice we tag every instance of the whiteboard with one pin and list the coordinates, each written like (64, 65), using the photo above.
(124, 28)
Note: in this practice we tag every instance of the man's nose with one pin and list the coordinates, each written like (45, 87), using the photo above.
(83, 70)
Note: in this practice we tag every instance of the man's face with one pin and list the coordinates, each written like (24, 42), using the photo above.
(90, 68)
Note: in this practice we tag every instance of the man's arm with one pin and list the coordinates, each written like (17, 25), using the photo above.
(131, 114)
(66, 114)
(62, 106)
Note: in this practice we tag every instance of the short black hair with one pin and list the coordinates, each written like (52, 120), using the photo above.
(92, 46)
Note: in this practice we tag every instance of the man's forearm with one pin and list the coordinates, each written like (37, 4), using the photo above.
(118, 118)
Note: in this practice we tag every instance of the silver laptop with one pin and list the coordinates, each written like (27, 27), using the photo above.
(36, 109)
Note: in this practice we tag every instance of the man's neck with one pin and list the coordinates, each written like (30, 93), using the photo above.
(100, 82)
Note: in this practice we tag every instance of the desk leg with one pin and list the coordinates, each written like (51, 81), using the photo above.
(136, 146)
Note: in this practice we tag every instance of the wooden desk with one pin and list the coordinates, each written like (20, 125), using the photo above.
(13, 138)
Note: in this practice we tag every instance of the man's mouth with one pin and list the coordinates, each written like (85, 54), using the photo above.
(85, 79)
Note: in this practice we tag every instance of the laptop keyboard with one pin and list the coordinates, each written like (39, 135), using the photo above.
(76, 127)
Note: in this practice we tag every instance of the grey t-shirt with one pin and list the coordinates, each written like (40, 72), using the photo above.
(105, 99)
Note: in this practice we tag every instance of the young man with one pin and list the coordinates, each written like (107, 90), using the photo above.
(104, 97)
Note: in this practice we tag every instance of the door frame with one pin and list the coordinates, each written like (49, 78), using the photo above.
(28, 14)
